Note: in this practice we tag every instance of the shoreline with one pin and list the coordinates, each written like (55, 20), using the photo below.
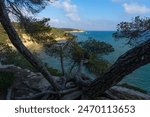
(61, 39)
(38, 47)
(75, 31)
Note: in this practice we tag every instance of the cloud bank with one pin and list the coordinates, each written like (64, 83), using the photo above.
(136, 8)
(69, 8)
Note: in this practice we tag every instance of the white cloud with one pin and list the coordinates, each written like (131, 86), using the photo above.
(69, 8)
(136, 8)
(53, 21)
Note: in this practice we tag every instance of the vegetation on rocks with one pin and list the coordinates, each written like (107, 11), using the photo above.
(6, 79)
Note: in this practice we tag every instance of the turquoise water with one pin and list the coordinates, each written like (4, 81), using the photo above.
(140, 77)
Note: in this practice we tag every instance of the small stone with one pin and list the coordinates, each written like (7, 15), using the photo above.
(31, 75)
(18, 67)
(70, 85)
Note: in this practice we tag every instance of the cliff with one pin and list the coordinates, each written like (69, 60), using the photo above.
(55, 33)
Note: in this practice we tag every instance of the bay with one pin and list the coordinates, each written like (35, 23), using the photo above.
(140, 77)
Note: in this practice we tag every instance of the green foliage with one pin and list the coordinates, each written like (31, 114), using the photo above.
(60, 49)
(18, 60)
(135, 32)
(55, 33)
(96, 47)
(90, 51)
(53, 49)
(24, 11)
(6, 79)
(11, 56)
(3, 35)
(97, 66)
(133, 87)
(38, 29)
(32, 6)
(76, 52)
(54, 72)
(5, 51)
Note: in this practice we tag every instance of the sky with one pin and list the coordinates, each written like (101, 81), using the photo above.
(94, 14)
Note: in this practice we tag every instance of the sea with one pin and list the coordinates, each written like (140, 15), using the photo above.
(139, 78)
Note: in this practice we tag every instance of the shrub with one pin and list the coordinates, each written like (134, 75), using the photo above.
(54, 72)
(6, 79)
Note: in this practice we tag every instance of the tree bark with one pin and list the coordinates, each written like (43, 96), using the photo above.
(73, 65)
(126, 64)
(80, 69)
(62, 61)
(16, 41)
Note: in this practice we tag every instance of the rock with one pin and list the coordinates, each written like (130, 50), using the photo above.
(72, 96)
(40, 83)
(7, 66)
(18, 67)
(26, 83)
(31, 74)
(120, 92)
(70, 85)
(39, 74)
(28, 71)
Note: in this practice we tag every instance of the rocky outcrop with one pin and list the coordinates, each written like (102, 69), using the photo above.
(28, 83)
(123, 93)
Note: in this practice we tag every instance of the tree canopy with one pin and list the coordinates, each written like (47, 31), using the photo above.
(19, 7)
(135, 32)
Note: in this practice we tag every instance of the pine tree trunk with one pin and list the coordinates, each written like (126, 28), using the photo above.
(73, 65)
(80, 69)
(62, 61)
(126, 64)
(16, 41)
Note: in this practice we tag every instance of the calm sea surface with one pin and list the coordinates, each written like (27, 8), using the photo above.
(140, 77)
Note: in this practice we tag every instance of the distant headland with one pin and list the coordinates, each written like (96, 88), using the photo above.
(68, 30)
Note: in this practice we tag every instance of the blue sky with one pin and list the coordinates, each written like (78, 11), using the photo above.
(94, 14)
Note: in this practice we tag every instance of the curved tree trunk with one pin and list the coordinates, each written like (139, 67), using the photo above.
(126, 64)
(16, 41)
